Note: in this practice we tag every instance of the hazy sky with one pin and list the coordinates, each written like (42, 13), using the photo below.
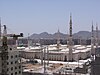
(36, 16)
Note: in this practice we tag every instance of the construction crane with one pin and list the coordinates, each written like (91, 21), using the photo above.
(4, 49)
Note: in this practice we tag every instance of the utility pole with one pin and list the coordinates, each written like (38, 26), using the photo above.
(47, 55)
(28, 41)
(41, 56)
(44, 61)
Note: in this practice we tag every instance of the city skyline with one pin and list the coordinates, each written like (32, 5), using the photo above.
(36, 16)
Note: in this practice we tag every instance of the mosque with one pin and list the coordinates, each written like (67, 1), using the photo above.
(58, 52)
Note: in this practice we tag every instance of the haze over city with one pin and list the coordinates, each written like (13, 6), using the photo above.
(49, 37)
(36, 16)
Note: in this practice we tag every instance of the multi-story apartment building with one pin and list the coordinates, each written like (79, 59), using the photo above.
(13, 64)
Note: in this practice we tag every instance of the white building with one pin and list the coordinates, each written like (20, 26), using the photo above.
(55, 54)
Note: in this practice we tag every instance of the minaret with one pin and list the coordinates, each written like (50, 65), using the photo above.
(96, 35)
(58, 39)
(70, 23)
(47, 55)
(70, 58)
(92, 40)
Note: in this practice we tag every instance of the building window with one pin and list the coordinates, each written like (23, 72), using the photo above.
(7, 57)
(11, 73)
(7, 69)
(11, 56)
(15, 67)
(19, 72)
(19, 67)
(11, 68)
(15, 73)
(7, 63)
(5, 49)
(15, 62)
(11, 62)
(10, 48)
(15, 56)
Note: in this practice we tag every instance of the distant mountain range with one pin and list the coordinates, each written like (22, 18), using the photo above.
(80, 34)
